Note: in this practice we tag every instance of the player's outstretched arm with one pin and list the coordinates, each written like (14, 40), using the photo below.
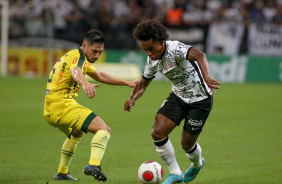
(200, 57)
(88, 88)
(109, 79)
(137, 92)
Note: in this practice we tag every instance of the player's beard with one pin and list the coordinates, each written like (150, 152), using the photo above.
(92, 60)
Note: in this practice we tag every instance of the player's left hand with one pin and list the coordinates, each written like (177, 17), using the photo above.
(133, 83)
(212, 83)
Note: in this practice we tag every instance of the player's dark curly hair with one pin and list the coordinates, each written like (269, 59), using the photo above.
(94, 36)
(150, 29)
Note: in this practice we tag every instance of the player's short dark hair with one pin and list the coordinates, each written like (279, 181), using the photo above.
(150, 29)
(94, 36)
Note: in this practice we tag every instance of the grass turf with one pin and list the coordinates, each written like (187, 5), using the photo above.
(241, 140)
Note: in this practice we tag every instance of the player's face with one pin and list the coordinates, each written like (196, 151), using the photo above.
(92, 52)
(154, 49)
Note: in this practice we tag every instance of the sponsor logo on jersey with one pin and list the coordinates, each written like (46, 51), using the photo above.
(185, 94)
(61, 73)
(74, 60)
(47, 103)
(179, 79)
(84, 65)
(47, 91)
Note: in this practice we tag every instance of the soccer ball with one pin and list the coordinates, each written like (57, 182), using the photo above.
(150, 172)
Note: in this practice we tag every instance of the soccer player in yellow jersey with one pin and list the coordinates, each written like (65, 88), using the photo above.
(63, 112)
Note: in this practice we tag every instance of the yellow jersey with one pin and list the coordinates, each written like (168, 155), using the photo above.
(61, 86)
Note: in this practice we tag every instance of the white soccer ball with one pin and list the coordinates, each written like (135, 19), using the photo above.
(150, 172)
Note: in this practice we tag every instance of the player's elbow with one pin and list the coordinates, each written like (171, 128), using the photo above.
(200, 55)
(195, 55)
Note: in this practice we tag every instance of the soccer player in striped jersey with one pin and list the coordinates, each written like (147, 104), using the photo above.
(191, 97)
(63, 112)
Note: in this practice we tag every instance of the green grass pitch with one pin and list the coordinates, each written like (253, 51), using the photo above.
(241, 140)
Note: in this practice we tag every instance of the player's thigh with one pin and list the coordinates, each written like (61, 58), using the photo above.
(54, 120)
(76, 117)
(162, 127)
(98, 124)
(169, 116)
(172, 108)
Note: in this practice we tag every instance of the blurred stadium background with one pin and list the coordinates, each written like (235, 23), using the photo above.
(243, 43)
(242, 38)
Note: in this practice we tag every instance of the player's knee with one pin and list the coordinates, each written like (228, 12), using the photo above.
(157, 134)
(106, 128)
(77, 133)
(109, 130)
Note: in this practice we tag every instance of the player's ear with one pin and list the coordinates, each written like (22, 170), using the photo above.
(83, 46)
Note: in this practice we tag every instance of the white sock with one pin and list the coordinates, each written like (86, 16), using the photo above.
(194, 155)
(167, 154)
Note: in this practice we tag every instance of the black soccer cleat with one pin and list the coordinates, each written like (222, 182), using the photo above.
(60, 176)
(95, 171)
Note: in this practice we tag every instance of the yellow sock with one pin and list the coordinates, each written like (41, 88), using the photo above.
(67, 153)
(98, 147)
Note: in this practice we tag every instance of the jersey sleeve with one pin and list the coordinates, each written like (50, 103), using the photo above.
(181, 50)
(83, 64)
(150, 69)
(90, 68)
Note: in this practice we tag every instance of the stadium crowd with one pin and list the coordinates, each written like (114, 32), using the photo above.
(69, 19)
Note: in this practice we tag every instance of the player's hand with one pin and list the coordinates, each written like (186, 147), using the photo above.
(212, 83)
(89, 89)
(128, 105)
(133, 83)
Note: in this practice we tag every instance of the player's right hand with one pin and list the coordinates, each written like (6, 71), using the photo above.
(212, 83)
(89, 89)
(128, 105)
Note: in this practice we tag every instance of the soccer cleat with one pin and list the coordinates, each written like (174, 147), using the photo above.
(172, 178)
(60, 176)
(191, 173)
(95, 171)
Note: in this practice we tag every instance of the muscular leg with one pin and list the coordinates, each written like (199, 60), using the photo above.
(77, 133)
(192, 148)
(99, 141)
(98, 148)
(70, 145)
(161, 129)
(68, 150)
(188, 140)
(98, 124)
